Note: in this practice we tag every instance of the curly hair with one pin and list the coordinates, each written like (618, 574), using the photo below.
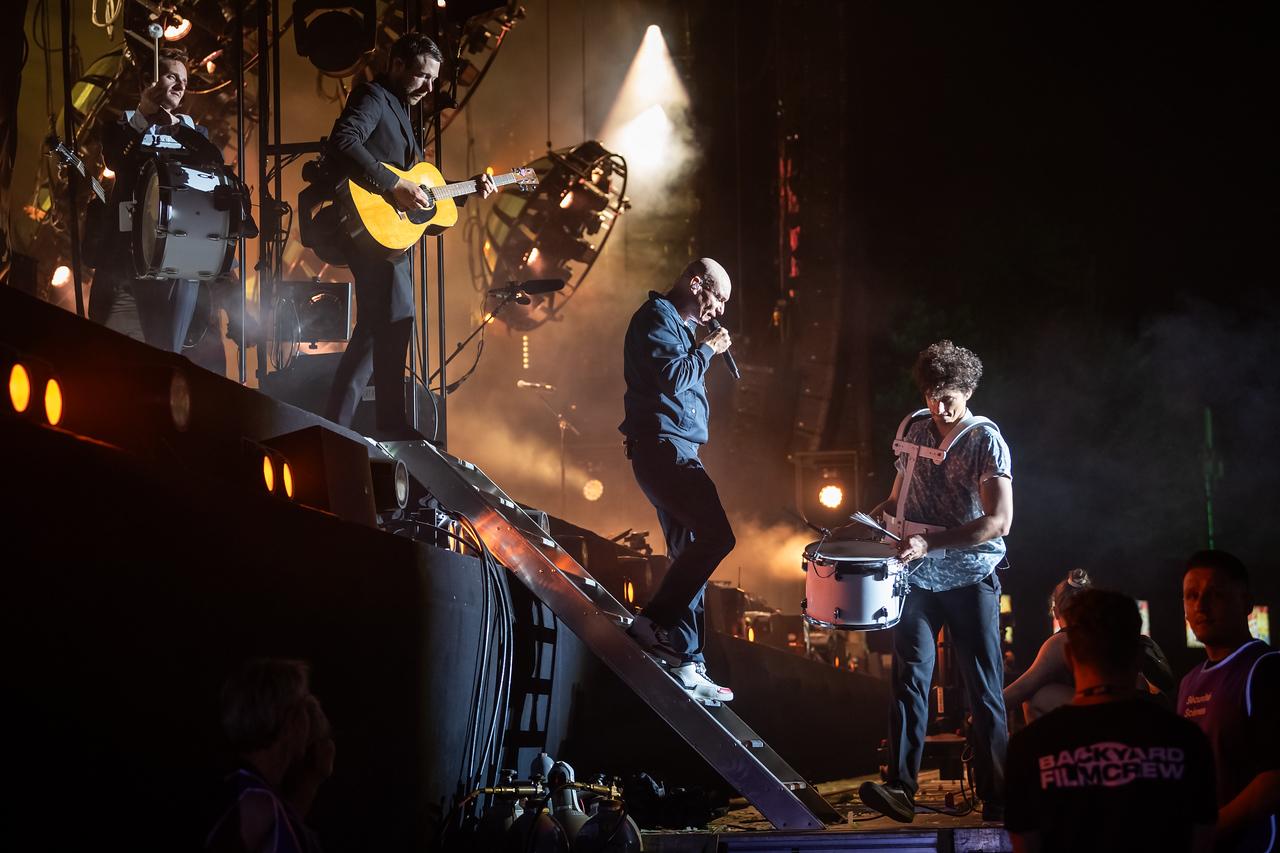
(945, 365)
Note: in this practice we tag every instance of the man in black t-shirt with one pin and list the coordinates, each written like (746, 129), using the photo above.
(1110, 771)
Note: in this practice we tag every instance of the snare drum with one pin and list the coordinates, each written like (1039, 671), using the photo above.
(852, 584)
(186, 220)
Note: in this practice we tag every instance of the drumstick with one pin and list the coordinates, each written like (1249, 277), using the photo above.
(155, 31)
(863, 518)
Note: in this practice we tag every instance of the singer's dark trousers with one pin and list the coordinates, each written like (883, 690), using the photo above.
(378, 345)
(696, 529)
(972, 616)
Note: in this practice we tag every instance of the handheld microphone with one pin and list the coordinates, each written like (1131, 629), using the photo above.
(714, 325)
(534, 386)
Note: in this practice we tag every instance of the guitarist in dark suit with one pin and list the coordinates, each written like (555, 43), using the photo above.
(158, 312)
(373, 129)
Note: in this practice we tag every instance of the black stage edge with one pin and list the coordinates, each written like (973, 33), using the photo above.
(141, 566)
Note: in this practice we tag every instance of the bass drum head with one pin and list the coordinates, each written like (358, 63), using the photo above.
(853, 550)
(146, 219)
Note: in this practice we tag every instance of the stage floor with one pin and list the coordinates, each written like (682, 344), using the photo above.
(948, 829)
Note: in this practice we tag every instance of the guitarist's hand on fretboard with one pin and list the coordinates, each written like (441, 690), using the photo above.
(484, 182)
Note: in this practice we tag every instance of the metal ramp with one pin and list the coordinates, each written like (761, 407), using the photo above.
(727, 743)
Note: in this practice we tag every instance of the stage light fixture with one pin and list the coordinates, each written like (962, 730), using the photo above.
(827, 485)
(178, 29)
(629, 592)
(265, 467)
(61, 276)
(751, 633)
(831, 496)
(557, 231)
(107, 175)
(53, 401)
(19, 387)
(390, 484)
(593, 489)
(335, 34)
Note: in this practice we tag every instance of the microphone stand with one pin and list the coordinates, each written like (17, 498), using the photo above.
(564, 424)
(507, 298)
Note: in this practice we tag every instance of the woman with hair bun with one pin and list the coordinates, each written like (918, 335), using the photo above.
(1047, 683)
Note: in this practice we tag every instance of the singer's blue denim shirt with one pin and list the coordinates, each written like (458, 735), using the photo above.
(664, 367)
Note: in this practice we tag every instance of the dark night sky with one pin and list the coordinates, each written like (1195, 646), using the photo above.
(1084, 197)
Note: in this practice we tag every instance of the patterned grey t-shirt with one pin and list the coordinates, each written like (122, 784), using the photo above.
(947, 495)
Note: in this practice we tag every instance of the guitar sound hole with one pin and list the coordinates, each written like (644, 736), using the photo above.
(417, 217)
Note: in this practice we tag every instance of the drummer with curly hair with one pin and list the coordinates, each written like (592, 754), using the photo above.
(951, 505)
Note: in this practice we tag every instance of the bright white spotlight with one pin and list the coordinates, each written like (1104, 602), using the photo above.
(639, 124)
(592, 490)
(645, 139)
(61, 276)
(831, 496)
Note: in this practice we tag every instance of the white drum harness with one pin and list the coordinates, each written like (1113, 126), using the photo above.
(899, 526)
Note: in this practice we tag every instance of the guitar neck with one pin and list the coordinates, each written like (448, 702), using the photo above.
(69, 157)
(98, 190)
(468, 187)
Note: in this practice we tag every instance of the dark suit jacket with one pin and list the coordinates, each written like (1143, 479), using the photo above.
(374, 128)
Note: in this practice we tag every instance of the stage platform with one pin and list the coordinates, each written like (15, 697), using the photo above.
(938, 827)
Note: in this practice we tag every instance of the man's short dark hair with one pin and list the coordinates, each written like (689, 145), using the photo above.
(257, 699)
(1219, 561)
(945, 365)
(413, 44)
(1104, 628)
(174, 54)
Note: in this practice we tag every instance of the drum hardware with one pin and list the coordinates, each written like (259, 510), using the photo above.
(864, 591)
(173, 196)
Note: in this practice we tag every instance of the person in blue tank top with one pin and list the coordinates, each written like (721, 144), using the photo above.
(1234, 697)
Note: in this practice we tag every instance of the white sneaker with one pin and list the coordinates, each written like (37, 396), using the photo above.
(693, 678)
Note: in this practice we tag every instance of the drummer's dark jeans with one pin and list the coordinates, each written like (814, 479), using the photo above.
(972, 615)
(697, 532)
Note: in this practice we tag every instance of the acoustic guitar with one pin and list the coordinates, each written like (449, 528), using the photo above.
(396, 230)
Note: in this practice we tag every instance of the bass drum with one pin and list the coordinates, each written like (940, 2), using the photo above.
(186, 220)
(853, 585)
